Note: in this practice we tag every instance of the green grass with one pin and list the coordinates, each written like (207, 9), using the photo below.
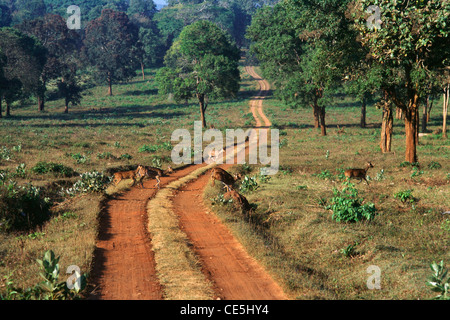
(315, 257)
(101, 134)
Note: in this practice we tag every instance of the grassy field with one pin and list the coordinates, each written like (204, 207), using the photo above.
(104, 133)
(290, 231)
(316, 257)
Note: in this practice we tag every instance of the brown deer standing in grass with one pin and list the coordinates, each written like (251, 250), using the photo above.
(224, 177)
(132, 174)
(239, 200)
(358, 173)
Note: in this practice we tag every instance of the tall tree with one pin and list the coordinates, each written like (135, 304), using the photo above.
(25, 60)
(110, 46)
(413, 38)
(60, 42)
(202, 63)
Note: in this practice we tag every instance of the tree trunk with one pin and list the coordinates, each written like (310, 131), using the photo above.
(399, 113)
(8, 109)
(323, 127)
(66, 107)
(430, 105)
(143, 72)
(316, 115)
(445, 111)
(387, 128)
(201, 100)
(363, 113)
(41, 103)
(417, 123)
(110, 93)
(411, 130)
(424, 116)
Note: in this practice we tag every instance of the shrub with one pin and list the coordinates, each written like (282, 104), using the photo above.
(54, 168)
(249, 184)
(405, 196)
(437, 281)
(22, 207)
(434, 165)
(347, 207)
(49, 288)
(90, 182)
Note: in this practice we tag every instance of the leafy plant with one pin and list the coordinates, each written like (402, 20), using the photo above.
(249, 184)
(434, 165)
(22, 207)
(90, 182)
(79, 158)
(55, 168)
(348, 207)
(350, 250)
(416, 172)
(49, 288)
(325, 174)
(437, 281)
(405, 196)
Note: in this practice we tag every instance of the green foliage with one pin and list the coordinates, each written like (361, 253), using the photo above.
(437, 281)
(416, 172)
(405, 196)
(350, 250)
(202, 63)
(22, 207)
(79, 158)
(249, 184)
(348, 207)
(49, 288)
(90, 182)
(54, 168)
(434, 165)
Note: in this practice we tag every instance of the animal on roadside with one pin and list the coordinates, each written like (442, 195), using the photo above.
(153, 173)
(223, 176)
(131, 174)
(358, 173)
(214, 154)
(239, 200)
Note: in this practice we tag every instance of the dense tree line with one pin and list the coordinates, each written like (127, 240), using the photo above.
(116, 38)
(313, 50)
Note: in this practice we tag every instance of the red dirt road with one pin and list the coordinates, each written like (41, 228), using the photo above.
(124, 264)
(235, 274)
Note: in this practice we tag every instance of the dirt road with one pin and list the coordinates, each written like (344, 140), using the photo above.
(124, 266)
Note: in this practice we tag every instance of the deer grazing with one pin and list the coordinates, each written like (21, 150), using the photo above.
(224, 177)
(132, 174)
(358, 173)
(239, 200)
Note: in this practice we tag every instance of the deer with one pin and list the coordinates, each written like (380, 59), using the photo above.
(224, 177)
(154, 173)
(132, 174)
(358, 173)
(239, 200)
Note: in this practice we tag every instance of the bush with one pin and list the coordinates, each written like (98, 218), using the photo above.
(54, 168)
(49, 288)
(347, 207)
(90, 182)
(437, 281)
(405, 196)
(249, 184)
(22, 207)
